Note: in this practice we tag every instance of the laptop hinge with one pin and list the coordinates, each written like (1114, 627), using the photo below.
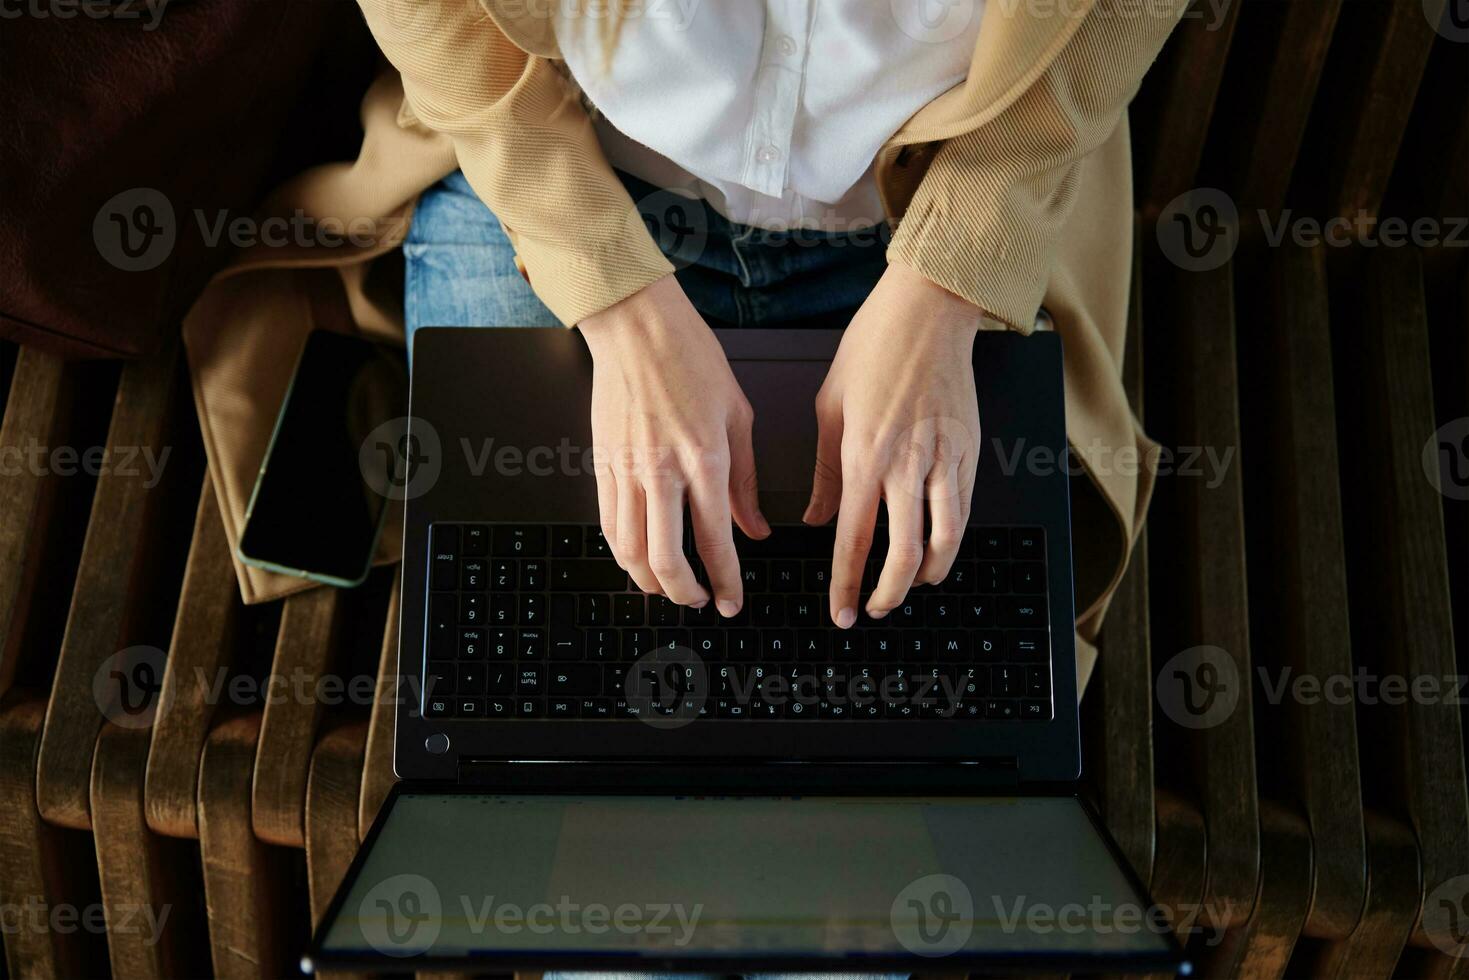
(740, 776)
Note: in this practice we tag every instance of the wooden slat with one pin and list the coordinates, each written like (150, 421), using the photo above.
(104, 616)
(1263, 947)
(40, 866)
(1179, 99)
(199, 650)
(150, 884)
(1210, 566)
(332, 803)
(1394, 890)
(246, 885)
(1179, 865)
(1298, 570)
(1270, 84)
(377, 766)
(1407, 594)
(1119, 703)
(304, 651)
(1373, 82)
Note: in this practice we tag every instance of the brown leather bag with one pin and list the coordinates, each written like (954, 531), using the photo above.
(128, 140)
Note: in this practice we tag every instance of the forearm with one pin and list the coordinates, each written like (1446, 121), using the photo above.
(528, 150)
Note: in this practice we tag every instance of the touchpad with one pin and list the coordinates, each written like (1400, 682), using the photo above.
(783, 394)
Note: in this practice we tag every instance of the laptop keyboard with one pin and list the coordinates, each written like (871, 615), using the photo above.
(539, 622)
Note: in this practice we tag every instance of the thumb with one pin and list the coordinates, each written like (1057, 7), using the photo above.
(744, 489)
(826, 482)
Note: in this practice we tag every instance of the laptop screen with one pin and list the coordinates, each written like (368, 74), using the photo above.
(623, 879)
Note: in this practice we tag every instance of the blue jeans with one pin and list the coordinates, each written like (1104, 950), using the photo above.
(460, 268)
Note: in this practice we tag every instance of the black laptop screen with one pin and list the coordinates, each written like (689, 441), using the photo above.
(628, 879)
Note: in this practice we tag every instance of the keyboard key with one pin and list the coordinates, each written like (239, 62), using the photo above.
(533, 574)
(471, 610)
(785, 576)
(627, 609)
(1029, 577)
(438, 708)
(502, 609)
(1022, 610)
(578, 679)
(566, 541)
(1005, 681)
(941, 610)
(517, 541)
(813, 644)
(471, 679)
(909, 613)
(504, 575)
(502, 645)
(563, 708)
(499, 679)
(742, 644)
(804, 610)
(753, 576)
(992, 542)
(444, 546)
(438, 679)
(469, 707)
(476, 540)
(960, 578)
(709, 643)
(978, 612)
(817, 577)
(1037, 682)
(474, 574)
(529, 707)
(596, 707)
(530, 679)
(597, 546)
(1028, 543)
(849, 645)
(953, 645)
(531, 644)
(471, 644)
(594, 610)
(586, 575)
(1000, 710)
(1035, 711)
(532, 610)
(989, 645)
(499, 707)
(636, 644)
(443, 617)
(602, 645)
(662, 611)
(1030, 645)
(917, 646)
(992, 577)
(777, 644)
(766, 610)
(566, 643)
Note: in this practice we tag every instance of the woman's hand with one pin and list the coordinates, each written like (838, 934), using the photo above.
(669, 424)
(899, 422)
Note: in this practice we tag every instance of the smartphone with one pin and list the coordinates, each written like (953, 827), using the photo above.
(320, 502)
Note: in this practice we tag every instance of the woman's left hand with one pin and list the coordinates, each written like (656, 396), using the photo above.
(899, 422)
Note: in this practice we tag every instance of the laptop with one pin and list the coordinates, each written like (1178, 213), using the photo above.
(596, 779)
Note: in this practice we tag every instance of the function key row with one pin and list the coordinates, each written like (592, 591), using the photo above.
(786, 541)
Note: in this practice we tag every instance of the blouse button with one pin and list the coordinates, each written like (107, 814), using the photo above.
(767, 154)
(786, 45)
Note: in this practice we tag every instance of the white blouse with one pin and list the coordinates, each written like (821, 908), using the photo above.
(771, 110)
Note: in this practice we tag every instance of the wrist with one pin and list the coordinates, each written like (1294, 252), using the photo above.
(939, 310)
(652, 316)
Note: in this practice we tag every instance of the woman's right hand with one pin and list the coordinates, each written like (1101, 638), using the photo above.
(669, 424)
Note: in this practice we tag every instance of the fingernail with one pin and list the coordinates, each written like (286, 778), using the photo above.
(699, 605)
(846, 618)
(877, 613)
(727, 607)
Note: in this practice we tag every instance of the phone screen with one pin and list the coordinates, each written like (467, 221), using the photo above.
(319, 503)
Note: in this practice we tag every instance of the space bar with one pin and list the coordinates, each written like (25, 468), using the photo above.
(587, 575)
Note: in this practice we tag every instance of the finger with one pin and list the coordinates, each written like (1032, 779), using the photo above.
(631, 549)
(744, 489)
(946, 523)
(826, 482)
(855, 521)
(903, 494)
(665, 541)
(709, 505)
(606, 500)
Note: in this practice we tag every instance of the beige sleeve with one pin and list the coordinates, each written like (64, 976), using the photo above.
(527, 148)
(985, 218)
